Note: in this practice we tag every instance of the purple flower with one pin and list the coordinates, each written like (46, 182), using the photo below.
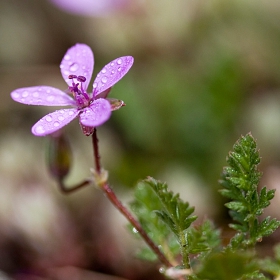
(93, 108)
(90, 7)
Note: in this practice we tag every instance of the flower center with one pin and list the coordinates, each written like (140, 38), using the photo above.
(80, 95)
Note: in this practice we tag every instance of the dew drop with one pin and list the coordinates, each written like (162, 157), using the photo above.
(25, 94)
(35, 94)
(56, 124)
(104, 80)
(70, 113)
(40, 129)
(119, 61)
(94, 85)
(74, 67)
(67, 57)
(103, 70)
(119, 69)
(48, 118)
(50, 98)
(162, 270)
(113, 72)
(66, 72)
(61, 118)
(16, 95)
(135, 230)
(112, 64)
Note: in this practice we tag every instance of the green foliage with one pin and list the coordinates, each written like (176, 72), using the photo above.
(169, 222)
(240, 181)
(144, 206)
(228, 265)
(203, 239)
(271, 265)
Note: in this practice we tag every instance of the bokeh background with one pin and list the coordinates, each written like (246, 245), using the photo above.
(205, 73)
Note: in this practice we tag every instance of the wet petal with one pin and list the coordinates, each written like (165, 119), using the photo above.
(98, 113)
(78, 61)
(42, 95)
(112, 73)
(54, 121)
(91, 7)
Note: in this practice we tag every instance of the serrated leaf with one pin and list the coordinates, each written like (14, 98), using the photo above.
(240, 181)
(236, 206)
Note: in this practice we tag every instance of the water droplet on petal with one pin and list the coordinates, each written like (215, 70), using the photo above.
(112, 72)
(35, 94)
(16, 95)
(50, 98)
(56, 124)
(48, 118)
(104, 80)
(119, 69)
(103, 70)
(66, 72)
(112, 64)
(94, 85)
(67, 57)
(119, 61)
(70, 113)
(74, 67)
(61, 118)
(25, 94)
(40, 129)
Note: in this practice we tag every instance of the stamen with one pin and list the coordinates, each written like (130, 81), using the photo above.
(72, 77)
(81, 79)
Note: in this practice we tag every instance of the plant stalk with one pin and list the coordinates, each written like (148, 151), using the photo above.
(118, 204)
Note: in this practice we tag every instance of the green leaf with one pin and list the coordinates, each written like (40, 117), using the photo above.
(240, 181)
(145, 206)
(227, 265)
(203, 239)
(176, 213)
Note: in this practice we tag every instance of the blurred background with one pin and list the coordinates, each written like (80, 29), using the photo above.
(205, 73)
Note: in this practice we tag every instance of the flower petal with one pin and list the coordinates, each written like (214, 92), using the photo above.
(91, 7)
(111, 74)
(42, 95)
(54, 121)
(78, 61)
(98, 113)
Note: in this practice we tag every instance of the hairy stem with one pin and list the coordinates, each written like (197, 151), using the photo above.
(118, 204)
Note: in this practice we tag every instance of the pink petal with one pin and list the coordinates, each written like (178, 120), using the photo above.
(54, 121)
(90, 7)
(78, 61)
(112, 73)
(42, 95)
(98, 113)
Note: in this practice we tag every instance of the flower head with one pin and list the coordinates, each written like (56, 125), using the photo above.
(90, 7)
(93, 109)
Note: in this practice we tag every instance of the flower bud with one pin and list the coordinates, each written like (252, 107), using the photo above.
(59, 156)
